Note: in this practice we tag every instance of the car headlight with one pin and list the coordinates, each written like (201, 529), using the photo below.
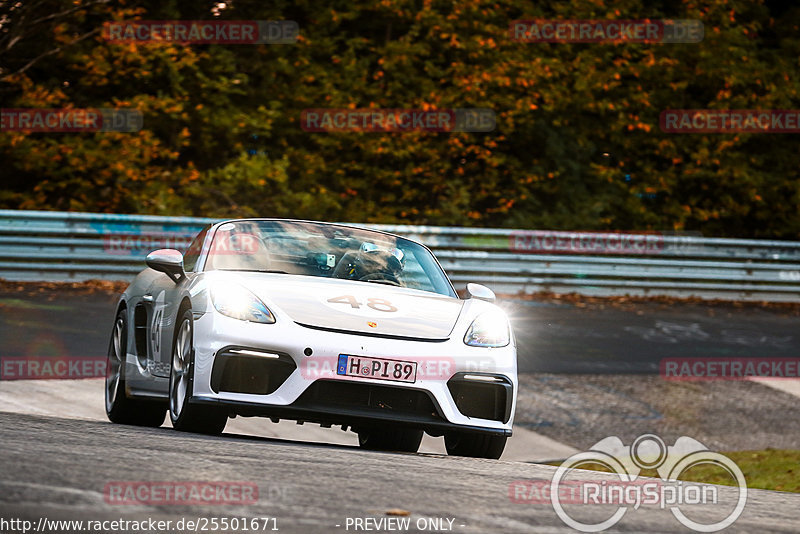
(488, 330)
(239, 303)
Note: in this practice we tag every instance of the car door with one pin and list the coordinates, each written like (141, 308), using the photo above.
(165, 297)
(159, 332)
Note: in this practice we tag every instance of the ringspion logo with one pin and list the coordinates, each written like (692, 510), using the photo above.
(649, 452)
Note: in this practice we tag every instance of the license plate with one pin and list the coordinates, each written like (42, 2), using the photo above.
(378, 368)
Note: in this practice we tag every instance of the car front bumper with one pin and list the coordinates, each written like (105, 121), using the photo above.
(313, 391)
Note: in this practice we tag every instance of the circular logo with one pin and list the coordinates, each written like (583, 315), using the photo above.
(649, 451)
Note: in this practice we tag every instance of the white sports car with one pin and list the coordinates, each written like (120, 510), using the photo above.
(315, 322)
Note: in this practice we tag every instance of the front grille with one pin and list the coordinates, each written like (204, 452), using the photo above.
(367, 398)
(255, 375)
(373, 334)
(484, 400)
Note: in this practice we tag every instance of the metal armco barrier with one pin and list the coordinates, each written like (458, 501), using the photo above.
(67, 246)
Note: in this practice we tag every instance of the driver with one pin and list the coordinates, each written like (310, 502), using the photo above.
(372, 262)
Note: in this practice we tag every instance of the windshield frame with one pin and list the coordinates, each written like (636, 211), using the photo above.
(202, 261)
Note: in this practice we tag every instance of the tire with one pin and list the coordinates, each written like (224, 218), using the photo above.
(474, 445)
(120, 408)
(187, 417)
(390, 439)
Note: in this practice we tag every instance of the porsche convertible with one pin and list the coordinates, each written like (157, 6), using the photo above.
(313, 322)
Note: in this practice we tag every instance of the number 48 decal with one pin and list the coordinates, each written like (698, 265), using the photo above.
(376, 304)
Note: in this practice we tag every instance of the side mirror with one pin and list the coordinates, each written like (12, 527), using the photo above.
(477, 291)
(167, 260)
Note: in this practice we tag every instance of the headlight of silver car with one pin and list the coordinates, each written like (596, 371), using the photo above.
(488, 330)
(239, 303)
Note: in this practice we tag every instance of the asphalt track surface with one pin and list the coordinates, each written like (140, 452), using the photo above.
(57, 468)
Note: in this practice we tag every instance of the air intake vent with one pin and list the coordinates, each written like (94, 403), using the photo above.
(237, 370)
(481, 395)
(368, 398)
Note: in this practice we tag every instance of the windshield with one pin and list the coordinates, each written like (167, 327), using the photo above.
(325, 250)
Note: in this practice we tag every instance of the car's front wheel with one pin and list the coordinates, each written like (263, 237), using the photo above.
(185, 416)
(474, 445)
(119, 407)
(390, 439)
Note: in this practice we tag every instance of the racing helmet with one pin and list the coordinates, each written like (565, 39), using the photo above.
(375, 258)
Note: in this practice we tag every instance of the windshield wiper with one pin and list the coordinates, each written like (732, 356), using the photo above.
(384, 282)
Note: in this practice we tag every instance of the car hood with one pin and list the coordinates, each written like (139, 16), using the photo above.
(357, 307)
